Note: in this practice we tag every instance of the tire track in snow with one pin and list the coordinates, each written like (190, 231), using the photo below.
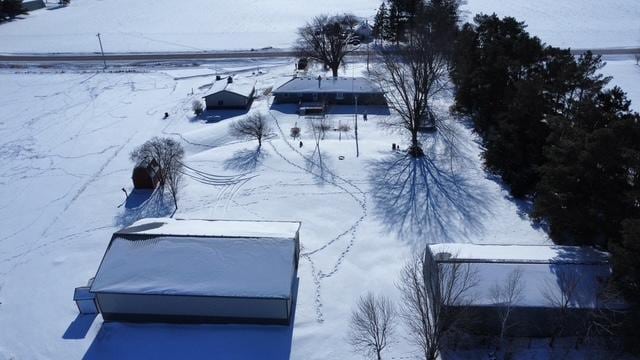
(93, 178)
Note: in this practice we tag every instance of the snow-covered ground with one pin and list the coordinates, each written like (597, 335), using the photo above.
(199, 25)
(64, 145)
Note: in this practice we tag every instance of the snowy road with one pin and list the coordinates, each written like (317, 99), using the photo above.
(132, 58)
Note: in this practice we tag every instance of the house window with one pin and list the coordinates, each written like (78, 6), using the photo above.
(339, 96)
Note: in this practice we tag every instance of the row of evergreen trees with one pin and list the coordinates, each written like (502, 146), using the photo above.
(9, 9)
(555, 132)
(396, 19)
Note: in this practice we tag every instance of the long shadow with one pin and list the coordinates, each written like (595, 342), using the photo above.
(165, 341)
(246, 160)
(320, 163)
(144, 204)
(79, 327)
(426, 201)
(214, 116)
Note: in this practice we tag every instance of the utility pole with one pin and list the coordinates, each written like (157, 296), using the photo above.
(353, 80)
(102, 51)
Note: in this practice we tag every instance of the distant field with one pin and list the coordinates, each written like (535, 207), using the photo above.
(163, 25)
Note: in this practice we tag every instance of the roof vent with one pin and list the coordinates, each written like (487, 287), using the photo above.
(319, 81)
(229, 80)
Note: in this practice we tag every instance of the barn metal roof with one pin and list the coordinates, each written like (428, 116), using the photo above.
(201, 258)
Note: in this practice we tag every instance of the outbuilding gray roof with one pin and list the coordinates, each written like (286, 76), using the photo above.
(241, 88)
(302, 85)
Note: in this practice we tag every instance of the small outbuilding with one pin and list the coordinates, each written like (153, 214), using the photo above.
(199, 271)
(146, 174)
(558, 283)
(229, 94)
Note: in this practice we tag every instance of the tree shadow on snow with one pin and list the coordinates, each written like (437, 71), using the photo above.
(429, 199)
(246, 160)
(168, 341)
(319, 163)
(142, 204)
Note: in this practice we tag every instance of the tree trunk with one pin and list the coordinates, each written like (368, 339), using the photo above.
(415, 150)
(334, 70)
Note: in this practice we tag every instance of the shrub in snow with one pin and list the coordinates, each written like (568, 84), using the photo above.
(197, 107)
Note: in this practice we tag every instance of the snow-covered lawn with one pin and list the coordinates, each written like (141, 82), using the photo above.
(65, 139)
(165, 25)
(64, 145)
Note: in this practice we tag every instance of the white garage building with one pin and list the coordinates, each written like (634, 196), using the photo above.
(199, 271)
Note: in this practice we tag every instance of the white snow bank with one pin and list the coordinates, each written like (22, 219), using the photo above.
(545, 254)
(214, 228)
(236, 267)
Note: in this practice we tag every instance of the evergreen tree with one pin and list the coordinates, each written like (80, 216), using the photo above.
(380, 25)
(11, 8)
(590, 175)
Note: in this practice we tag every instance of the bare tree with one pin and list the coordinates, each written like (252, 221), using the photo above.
(411, 75)
(505, 296)
(254, 126)
(434, 300)
(559, 295)
(321, 125)
(168, 153)
(372, 325)
(343, 128)
(327, 39)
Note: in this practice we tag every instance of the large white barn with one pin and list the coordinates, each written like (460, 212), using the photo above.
(167, 270)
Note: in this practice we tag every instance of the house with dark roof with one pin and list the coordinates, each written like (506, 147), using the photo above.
(230, 94)
(329, 91)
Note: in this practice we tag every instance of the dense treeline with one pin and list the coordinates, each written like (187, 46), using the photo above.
(555, 132)
(9, 9)
(396, 20)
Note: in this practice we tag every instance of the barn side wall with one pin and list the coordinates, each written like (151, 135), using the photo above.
(229, 101)
(192, 309)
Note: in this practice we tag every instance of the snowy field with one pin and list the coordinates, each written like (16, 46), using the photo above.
(65, 140)
(205, 25)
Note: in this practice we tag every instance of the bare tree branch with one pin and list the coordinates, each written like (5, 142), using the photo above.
(372, 325)
(433, 299)
(505, 296)
(411, 75)
(327, 39)
(254, 126)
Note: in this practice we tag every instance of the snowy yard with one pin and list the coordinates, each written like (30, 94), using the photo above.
(65, 140)
(164, 25)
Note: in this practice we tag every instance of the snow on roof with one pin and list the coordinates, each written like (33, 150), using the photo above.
(329, 85)
(520, 253)
(213, 228)
(200, 257)
(545, 271)
(542, 284)
(243, 88)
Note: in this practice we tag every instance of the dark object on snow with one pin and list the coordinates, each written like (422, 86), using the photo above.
(300, 143)
(166, 115)
(364, 116)
(341, 157)
(302, 64)
(393, 146)
(146, 175)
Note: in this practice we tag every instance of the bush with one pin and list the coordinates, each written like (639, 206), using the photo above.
(197, 107)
